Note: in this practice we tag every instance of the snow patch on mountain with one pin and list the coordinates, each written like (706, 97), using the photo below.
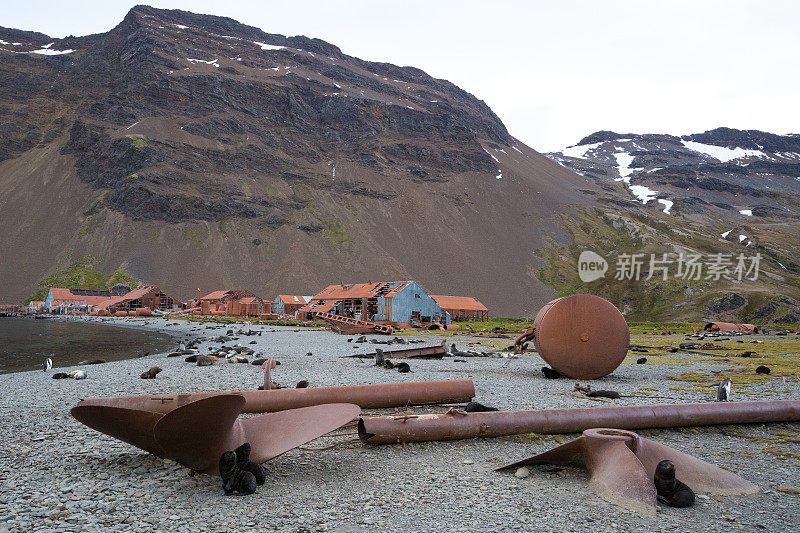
(722, 153)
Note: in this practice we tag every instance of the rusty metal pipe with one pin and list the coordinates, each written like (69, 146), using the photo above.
(378, 396)
(459, 425)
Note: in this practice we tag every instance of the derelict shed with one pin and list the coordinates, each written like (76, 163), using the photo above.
(144, 297)
(289, 304)
(462, 308)
(392, 301)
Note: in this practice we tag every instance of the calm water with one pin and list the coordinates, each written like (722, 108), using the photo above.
(25, 342)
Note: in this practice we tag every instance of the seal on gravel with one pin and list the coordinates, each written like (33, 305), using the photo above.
(150, 374)
(243, 461)
(234, 479)
(670, 490)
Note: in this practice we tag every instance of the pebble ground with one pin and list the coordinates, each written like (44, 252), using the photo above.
(58, 475)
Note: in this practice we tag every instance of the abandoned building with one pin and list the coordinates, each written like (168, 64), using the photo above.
(60, 300)
(289, 304)
(392, 301)
(144, 297)
(462, 308)
(232, 302)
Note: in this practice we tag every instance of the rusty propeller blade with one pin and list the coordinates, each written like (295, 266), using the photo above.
(622, 464)
(196, 433)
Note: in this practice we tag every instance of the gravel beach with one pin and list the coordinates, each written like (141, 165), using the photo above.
(58, 475)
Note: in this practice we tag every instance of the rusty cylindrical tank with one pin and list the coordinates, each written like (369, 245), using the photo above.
(581, 336)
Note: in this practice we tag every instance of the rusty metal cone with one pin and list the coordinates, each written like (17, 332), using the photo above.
(196, 433)
(621, 466)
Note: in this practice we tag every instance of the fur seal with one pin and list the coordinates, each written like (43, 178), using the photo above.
(204, 360)
(302, 384)
(60, 375)
(475, 407)
(378, 357)
(91, 362)
(761, 369)
(77, 374)
(549, 373)
(192, 358)
(387, 363)
(234, 479)
(641, 360)
(150, 374)
(724, 390)
(243, 461)
(403, 368)
(670, 490)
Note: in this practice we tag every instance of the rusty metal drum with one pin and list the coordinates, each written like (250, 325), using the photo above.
(581, 336)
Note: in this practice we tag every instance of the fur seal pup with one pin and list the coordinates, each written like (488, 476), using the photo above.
(403, 368)
(671, 491)
(379, 357)
(302, 384)
(243, 461)
(549, 373)
(761, 369)
(150, 374)
(724, 390)
(475, 407)
(204, 360)
(641, 360)
(47, 364)
(387, 364)
(192, 358)
(60, 375)
(234, 479)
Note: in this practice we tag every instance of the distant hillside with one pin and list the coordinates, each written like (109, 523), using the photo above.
(199, 151)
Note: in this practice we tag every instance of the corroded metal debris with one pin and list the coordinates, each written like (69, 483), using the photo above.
(621, 466)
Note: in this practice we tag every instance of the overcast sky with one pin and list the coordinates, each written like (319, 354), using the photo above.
(553, 71)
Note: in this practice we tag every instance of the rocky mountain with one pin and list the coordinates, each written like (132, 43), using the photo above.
(724, 191)
(198, 151)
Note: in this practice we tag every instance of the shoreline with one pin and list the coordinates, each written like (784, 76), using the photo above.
(67, 476)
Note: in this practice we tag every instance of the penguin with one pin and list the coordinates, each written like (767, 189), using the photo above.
(378, 357)
(669, 489)
(47, 364)
(724, 390)
(475, 407)
(234, 479)
(182, 347)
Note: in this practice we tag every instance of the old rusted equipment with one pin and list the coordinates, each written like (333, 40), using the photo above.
(351, 326)
(729, 326)
(460, 425)
(195, 433)
(378, 396)
(621, 465)
(581, 336)
(430, 352)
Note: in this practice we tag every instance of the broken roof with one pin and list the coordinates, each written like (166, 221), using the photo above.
(133, 295)
(385, 289)
(292, 299)
(466, 303)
